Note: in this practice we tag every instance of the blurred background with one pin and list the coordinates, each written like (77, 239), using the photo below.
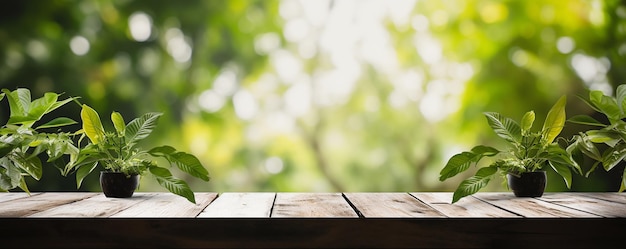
(316, 96)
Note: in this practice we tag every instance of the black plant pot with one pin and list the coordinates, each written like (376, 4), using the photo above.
(529, 184)
(118, 185)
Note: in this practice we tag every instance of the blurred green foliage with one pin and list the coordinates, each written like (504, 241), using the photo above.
(317, 95)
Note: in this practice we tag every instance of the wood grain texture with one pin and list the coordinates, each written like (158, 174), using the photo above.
(96, 206)
(167, 205)
(584, 203)
(390, 205)
(21, 207)
(466, 207)
(530, 207)
(15, 195)
(312, 205)
(619, 197)
(240, 205)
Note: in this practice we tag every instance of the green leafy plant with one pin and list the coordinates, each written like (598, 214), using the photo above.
(119, 151)
(611, 133)
(528, 151)
(22, 139)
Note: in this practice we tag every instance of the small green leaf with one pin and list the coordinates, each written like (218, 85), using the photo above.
(527, 121)
(92, 124)
(555, 121)
(118, 123)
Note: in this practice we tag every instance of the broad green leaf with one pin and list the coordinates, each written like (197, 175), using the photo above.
(83, 171)
(457, 164)
(30, 165)
(42, 105)
(504, 127)
(57, 122)
(483, 150)
(586, 147)
(184, 161)
(554, 121)
(586, 120)
(606, 104)
(60, 103)
(608, 137)
(162, 150)
(6, 148)
(19, 101)
(10, 175)
(613, 156)
(563, 171)
(60, 146)
(177, 186)
(473, 184)
(23, 120)
(118, 123)
(527, 121)
(620, 95)
(2, 96)
(141, 127)
(19, 104)
(92, 124)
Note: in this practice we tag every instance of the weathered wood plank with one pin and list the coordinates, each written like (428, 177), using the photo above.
(608, 196)
(530, 207)
(312, 205)
(240, 205)
(466, 207)
(40, 202)
(390, 205)
(583, 202)
(96, 206)
(15, 195)
(168, 205)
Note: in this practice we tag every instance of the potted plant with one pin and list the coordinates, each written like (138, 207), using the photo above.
(23, 138)
(524, 160)
(118, 152)
(611, 134)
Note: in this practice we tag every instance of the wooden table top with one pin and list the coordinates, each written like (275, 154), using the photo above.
(284, 219)
(338, 205)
